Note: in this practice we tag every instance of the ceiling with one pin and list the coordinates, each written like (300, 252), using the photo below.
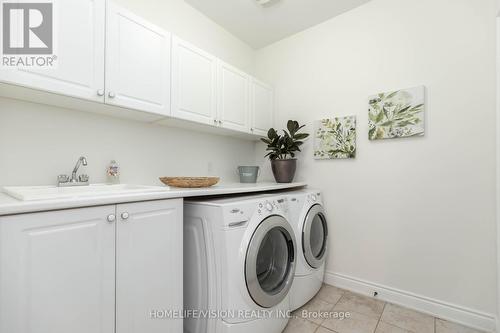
(260, 26)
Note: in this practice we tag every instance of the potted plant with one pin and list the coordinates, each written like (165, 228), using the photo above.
(282, 149)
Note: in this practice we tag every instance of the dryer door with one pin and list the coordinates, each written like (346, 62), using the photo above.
(270, 261)
(314, 236)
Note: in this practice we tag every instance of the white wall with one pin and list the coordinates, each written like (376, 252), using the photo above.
(417, 214)
(39, 142)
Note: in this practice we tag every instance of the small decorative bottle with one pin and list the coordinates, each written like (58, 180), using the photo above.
(113, 173)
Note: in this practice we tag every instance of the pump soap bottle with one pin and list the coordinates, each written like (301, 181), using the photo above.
(113, 173)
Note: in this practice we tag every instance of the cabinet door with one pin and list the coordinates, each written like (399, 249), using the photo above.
(57, 272)
(79, 40)
(137, 63)
(233, 90)
(262, 107)
(149, 266)
(194, 74)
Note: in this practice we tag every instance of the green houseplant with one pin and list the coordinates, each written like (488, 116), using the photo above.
(282, 149)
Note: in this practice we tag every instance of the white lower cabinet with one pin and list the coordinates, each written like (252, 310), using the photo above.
(57, 272)
(75, 270)
(148, 266)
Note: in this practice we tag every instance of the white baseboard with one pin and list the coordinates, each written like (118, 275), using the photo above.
(456, 313)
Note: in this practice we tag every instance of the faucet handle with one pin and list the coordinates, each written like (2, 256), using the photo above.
(62, 179)
(83, 178)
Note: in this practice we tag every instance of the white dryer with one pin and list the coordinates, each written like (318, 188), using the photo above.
(239, 264)
(311, 229)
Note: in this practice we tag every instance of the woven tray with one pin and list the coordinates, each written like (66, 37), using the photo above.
(190, 182)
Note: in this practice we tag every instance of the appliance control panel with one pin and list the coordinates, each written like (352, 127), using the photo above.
(239, 215)
(267, 207)
(314, 198)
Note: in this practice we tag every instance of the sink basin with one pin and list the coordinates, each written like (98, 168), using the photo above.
(27, 193)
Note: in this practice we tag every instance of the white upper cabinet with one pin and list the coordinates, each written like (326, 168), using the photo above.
(58, 272)
(79, 40)
(149, 263)
(194, 73)
(233, 108)
(137, 63)
(107, 54)
(262, 107)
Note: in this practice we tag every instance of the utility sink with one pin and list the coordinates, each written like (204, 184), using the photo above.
(28, 193)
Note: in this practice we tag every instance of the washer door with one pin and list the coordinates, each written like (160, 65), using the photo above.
(314, 236)
(270, 261)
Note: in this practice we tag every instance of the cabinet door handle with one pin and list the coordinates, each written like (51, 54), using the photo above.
(125, 216)
(111, 218)
(100, 92)
(111, 94)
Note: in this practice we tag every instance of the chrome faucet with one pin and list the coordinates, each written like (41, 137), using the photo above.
(82, 180)
(81, 160)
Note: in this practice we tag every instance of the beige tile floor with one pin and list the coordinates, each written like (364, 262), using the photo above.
(367, 315)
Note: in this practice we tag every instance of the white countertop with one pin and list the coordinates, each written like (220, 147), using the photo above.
(10, 205)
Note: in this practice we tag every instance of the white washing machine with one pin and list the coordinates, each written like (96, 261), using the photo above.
(239, 264)
(310, 226)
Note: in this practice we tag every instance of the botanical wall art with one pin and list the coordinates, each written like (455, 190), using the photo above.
(397, 114)
(335, 138)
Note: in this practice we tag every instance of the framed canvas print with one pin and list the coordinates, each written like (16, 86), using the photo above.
(335, 138)
(397, 114)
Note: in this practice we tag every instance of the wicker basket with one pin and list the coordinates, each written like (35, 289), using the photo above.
(190, 182)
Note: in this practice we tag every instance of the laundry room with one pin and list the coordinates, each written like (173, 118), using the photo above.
(242, 166)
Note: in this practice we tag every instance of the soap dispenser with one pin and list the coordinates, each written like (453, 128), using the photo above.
(113, 173)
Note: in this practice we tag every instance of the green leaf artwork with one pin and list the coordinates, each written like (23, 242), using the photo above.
(335, 138)
(397, 114)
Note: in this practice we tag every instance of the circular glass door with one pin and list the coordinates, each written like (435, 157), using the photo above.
(314, 236)
(270, 261)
